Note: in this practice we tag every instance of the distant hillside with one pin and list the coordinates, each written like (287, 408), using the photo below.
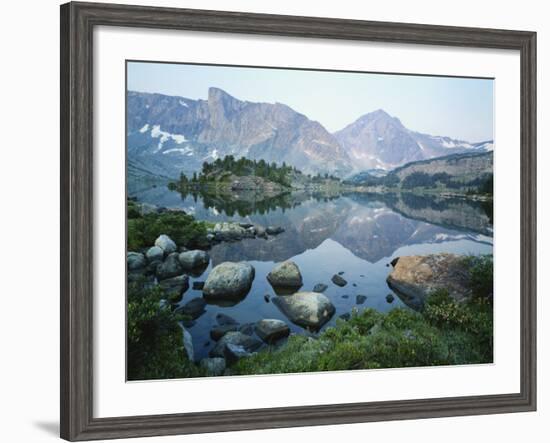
(465, 172)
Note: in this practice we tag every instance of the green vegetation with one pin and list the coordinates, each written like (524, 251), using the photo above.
(444, 333)
(479, 185)
(481, 275)
(447, 333)
(222, 169)
(143, 230)
(365, 179)
(155, 339)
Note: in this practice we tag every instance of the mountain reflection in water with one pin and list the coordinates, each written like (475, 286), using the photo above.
(357, 234)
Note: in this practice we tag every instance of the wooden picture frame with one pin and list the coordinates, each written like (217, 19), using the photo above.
(77, 218)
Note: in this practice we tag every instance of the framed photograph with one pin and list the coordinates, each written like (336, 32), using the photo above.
(272, 221)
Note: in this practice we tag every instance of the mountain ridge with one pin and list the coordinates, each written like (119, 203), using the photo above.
(171, 134)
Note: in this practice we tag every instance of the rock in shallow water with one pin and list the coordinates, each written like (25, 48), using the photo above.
(415, 277)
(198, 285)
(271, 330)
(285, 275)
(175, 287)
(166, 244)
(338, 280)
(307, 309)
(217, 332)
(170, 267)
(224, 319)
(360, 299)
(229, 280)
(194, 259)
(194, 308)
(320, 287)
(234, 345)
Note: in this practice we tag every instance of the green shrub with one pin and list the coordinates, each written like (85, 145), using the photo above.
(180, 227)
(467, 326)
(155, 339)
(133, 210)
(481, 275)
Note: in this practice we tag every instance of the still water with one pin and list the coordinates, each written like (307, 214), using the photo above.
(357, 234)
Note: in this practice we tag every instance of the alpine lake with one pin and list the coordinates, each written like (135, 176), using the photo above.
(355, 235)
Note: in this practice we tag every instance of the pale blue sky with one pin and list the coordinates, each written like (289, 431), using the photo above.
(456, 107)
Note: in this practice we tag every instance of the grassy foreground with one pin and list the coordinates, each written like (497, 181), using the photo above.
(446, 333)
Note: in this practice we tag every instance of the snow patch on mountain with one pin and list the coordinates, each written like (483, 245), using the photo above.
(187, 151)
(163, 136)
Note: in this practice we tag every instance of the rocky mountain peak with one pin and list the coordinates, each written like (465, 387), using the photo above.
(220, 102)
(381, 118)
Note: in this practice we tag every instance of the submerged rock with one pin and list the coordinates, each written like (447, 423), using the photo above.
(224, 319)
(338, 280)
(307, 309)
(175, 286)
(219, 331)
(389, 298)
(247, 328)
(194, 259)
(345, 316)
(166, 244)
(415, 277)
(271, 330)
(320, 287)
(234, 345)
(170, 267)
(198, 285)
(229, 280)
(213, 367)
(194, 308)
(285, 275)
(360, 299)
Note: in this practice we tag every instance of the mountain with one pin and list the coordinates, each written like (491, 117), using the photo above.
(467, 171)
(168, 134)
(378, 140)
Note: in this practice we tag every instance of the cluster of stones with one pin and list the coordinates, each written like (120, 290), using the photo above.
(230, 281)
(238, 231)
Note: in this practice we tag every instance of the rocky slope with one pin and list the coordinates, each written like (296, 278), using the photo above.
(378, 140)
(459, 166)
(173, 133)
